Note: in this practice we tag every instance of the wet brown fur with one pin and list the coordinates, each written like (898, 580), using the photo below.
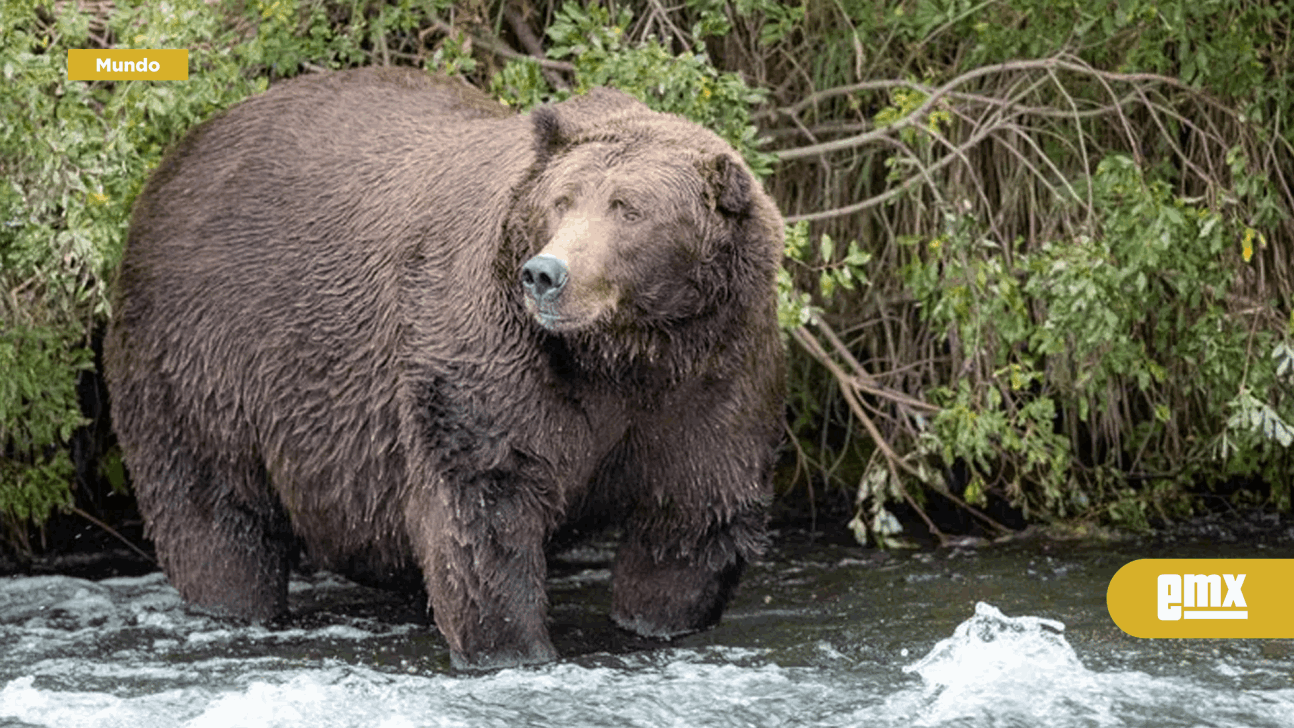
(320, 338)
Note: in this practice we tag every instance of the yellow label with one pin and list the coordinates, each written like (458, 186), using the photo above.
(153, 64)
(1204, 598)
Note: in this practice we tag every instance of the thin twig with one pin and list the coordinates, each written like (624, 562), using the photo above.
(113, 532)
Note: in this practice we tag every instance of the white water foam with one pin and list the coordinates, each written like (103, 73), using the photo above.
(997, 670)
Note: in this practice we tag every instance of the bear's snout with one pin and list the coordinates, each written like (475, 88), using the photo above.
(543, 277)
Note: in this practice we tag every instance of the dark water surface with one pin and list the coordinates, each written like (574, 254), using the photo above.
(820, 635)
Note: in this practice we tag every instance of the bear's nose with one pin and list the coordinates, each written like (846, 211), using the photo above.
(543, 277)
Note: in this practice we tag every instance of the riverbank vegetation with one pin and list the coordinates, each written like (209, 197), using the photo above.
(1038, 251)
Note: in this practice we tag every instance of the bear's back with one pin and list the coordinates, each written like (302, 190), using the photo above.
(314, 198)
(339, 152)
(277, 253)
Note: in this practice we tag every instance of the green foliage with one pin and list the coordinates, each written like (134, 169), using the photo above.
(835, 271)
(74, 155)
(776, 19)
(794, 306)
(331, 35)
(521, 84)
(1212, 44)
(873, 522)
(36, 412)
(905, 101)
(686, 84)
(454, 56)
(1099, 331)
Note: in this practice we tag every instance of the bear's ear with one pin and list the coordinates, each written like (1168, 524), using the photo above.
(730, 185)
(549, 137)
(561, 124)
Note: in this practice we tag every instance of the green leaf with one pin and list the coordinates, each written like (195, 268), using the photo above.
(826, 284)
(826, 248)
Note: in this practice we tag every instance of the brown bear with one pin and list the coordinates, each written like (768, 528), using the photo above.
(377, 315)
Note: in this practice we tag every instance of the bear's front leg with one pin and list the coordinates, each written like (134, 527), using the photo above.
(666, 596)
(699, 487)
(482, 557)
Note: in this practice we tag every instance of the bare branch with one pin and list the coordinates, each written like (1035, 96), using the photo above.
(814, 349)
(535, 48)
(897, 190)
(502, 50)
(935, 95)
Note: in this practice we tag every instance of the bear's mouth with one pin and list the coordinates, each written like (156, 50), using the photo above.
(549, 316)
(559, 319)
(549, 319)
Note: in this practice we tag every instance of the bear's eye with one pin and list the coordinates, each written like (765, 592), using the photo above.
(626, 211)
(562, 204)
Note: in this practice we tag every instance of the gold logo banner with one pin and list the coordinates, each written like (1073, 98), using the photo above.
(1204, 598)
(153, 64)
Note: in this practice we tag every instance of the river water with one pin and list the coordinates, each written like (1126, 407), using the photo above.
(820, 635)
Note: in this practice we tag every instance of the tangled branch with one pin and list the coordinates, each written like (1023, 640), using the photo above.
(1013, 146)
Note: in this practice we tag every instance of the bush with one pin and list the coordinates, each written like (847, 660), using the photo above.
(1079, 229)
(74, 155)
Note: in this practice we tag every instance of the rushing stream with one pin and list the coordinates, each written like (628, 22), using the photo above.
(820, 635)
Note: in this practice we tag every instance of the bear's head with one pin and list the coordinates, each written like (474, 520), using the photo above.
(642, 230)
